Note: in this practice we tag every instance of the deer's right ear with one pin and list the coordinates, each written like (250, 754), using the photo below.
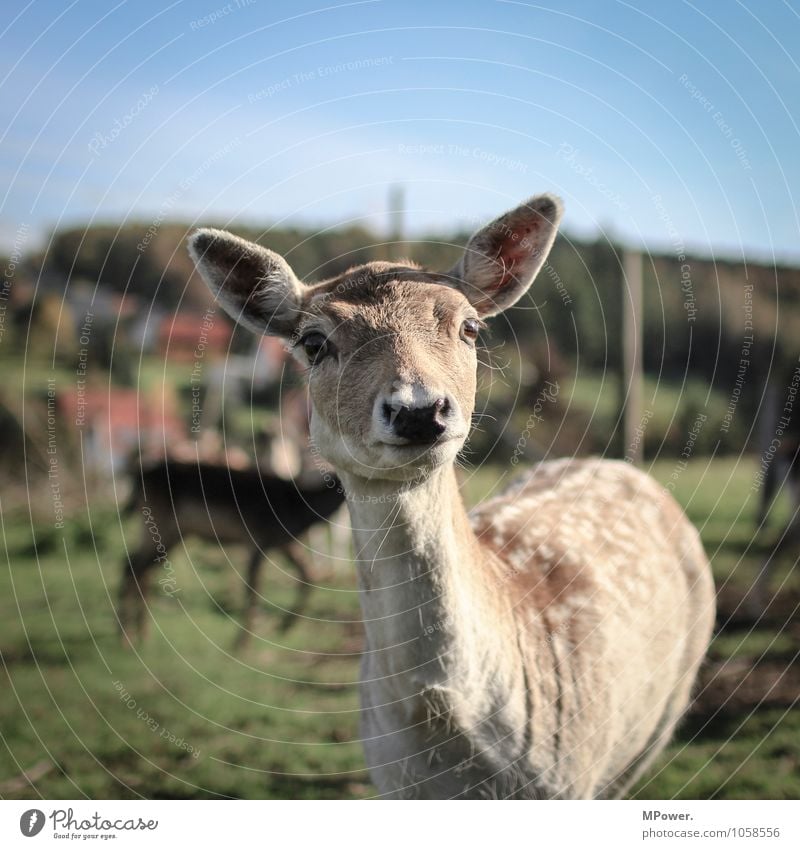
(255, 286)
(502, 259)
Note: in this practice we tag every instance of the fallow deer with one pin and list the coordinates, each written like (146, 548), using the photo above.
(218, 504)
(543, 646)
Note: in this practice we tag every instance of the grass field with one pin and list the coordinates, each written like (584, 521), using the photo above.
(186, 717)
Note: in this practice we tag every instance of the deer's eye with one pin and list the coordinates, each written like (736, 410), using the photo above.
(470, 328)
(316, 347)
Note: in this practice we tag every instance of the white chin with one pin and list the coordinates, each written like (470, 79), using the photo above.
(394, 462)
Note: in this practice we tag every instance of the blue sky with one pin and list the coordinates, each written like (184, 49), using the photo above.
(661, 123)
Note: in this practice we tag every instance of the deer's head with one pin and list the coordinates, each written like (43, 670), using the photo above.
(390, 348)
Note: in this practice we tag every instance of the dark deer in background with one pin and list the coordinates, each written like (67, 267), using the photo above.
(779, 468)
(226, 506)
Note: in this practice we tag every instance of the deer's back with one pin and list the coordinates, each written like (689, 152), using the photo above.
(570, 527)
(613, 599)
(234, 505)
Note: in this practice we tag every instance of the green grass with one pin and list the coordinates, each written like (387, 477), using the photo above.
(280, 719)
(670, 408)
(277, 720)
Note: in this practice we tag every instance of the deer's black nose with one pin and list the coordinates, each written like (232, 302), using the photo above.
(420, 425)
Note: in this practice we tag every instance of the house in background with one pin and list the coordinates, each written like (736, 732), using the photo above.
(185, 337)
(116, 423)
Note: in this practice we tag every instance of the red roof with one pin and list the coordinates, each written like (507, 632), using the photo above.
(123, 420)
(190, 336)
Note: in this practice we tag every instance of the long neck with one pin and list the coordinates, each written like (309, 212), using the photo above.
(425, 587)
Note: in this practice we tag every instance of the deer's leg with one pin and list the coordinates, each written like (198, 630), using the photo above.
(137, 576)
(295, 553)
(758, 598)
(132, 606)
(768, 490)
(250, 597)
(792, 534)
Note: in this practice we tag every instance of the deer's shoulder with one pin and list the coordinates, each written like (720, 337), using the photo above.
(570, 516)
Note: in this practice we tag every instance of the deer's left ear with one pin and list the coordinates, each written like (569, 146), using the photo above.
(255, 286)
(501, 260)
